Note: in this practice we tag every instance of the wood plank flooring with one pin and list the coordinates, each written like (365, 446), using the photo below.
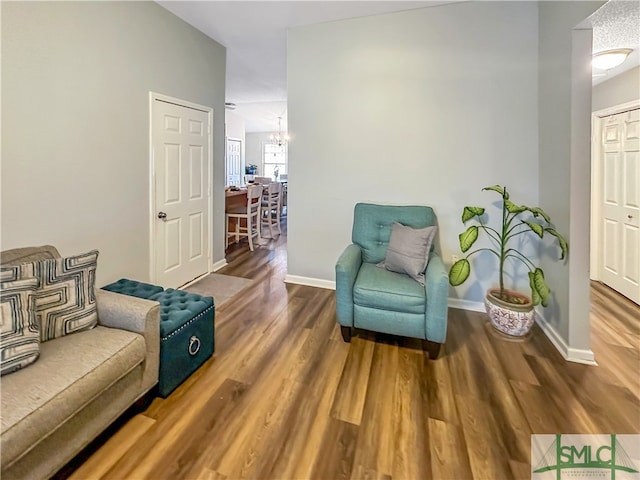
(284, 397)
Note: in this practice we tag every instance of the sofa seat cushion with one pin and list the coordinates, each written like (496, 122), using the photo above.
(385, 290)
(71, 371)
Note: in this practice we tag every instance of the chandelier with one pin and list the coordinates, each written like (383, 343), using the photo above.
(280, 139)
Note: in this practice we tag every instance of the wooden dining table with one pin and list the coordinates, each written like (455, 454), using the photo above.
(235, 198)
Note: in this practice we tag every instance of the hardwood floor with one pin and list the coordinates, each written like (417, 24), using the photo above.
(284, 397)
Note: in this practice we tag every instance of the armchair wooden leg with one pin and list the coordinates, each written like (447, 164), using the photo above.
(432, 348)
(346, 333)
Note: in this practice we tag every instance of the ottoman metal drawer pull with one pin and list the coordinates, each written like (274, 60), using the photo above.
(194, 345)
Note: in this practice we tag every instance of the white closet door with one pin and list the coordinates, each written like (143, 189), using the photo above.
(620, 222)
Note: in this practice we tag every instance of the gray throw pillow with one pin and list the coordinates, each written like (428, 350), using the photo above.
(64, 301)
(20, 335)
(408, 250)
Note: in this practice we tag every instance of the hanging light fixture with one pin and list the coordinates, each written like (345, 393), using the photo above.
(280, 139)
(610, 58)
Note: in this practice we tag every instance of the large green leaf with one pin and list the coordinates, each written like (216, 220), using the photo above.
(538, 211)
(469, 212)
(541, 286)
(564, 246)
(468, 238)
(535, 296)
(536, 227)
(497, 188)
(459, 272)
(513, 208)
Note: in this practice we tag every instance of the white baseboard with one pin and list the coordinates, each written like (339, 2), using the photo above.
(571, 354)
(581, 356)
(310, 282)
(466, 305)
(219, 264)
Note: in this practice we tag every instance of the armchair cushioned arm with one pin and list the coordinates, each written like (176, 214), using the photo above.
(346, 272)
(437, 292)
(135, 315)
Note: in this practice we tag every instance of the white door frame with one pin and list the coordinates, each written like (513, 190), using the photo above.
(153, 96)
(597, 120)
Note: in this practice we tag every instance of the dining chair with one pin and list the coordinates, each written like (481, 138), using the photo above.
(249, 213)
(283, 199)
(271, 201)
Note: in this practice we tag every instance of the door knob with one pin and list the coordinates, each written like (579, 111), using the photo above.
(162, 215)
(629, 217)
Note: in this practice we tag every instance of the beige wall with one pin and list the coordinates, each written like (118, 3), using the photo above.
(420, 107)
(76, 78)
(620, 89)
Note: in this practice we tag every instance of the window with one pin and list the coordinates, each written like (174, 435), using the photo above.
(274, 157)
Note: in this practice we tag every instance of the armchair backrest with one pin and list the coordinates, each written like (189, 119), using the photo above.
(372, 226)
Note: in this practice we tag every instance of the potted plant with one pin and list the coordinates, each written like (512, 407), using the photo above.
(510, 312)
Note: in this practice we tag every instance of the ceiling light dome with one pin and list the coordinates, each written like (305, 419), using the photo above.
(610, 58)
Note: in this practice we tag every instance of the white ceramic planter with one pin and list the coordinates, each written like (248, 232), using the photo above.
(512, 319)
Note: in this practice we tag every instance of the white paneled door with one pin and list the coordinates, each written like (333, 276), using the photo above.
(180, 142)
(620, 186)
(234, 162)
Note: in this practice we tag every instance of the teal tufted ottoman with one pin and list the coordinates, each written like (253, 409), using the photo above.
(186, 329)
(186, 335)
(133, 288)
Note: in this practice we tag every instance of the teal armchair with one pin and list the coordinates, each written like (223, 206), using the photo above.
(372, 298)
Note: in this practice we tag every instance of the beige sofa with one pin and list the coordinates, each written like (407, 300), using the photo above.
(79, 385)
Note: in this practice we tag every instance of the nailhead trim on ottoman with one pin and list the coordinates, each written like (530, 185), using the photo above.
(186, 329)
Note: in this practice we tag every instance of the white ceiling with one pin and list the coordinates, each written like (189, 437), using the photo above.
(254, 33)
(616, 25)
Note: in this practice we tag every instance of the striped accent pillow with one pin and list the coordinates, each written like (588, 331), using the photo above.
(65, 300)
(20, 336)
